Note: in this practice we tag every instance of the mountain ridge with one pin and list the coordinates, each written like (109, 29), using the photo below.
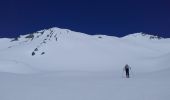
(67, 30)
(58, 49)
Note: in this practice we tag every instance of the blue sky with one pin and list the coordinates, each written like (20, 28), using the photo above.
(109, 17)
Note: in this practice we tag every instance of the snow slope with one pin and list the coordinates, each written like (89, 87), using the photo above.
(60, 64)
(85, 86)
(58, 49)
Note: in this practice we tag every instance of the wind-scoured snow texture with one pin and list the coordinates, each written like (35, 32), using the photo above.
(60, 64)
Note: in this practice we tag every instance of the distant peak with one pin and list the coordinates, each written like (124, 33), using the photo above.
(142, 35)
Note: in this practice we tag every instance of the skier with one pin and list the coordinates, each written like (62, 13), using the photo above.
(127, 68)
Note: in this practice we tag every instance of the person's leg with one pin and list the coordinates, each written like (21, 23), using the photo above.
(127, 73)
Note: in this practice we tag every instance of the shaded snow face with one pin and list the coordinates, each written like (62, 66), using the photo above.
(58, 49)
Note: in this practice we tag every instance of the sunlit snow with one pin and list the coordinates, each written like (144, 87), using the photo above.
(60, 64)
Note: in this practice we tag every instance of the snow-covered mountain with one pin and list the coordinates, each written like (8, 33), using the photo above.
(60, 64)
(58, 49)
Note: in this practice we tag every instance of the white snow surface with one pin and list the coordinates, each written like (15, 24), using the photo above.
(60, 64)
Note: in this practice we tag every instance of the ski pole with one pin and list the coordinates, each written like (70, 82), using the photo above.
(131, 72)
(123, 74)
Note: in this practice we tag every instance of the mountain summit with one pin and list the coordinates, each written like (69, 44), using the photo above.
(58, 49)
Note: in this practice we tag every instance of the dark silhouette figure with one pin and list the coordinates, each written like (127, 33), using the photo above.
(127, 69)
